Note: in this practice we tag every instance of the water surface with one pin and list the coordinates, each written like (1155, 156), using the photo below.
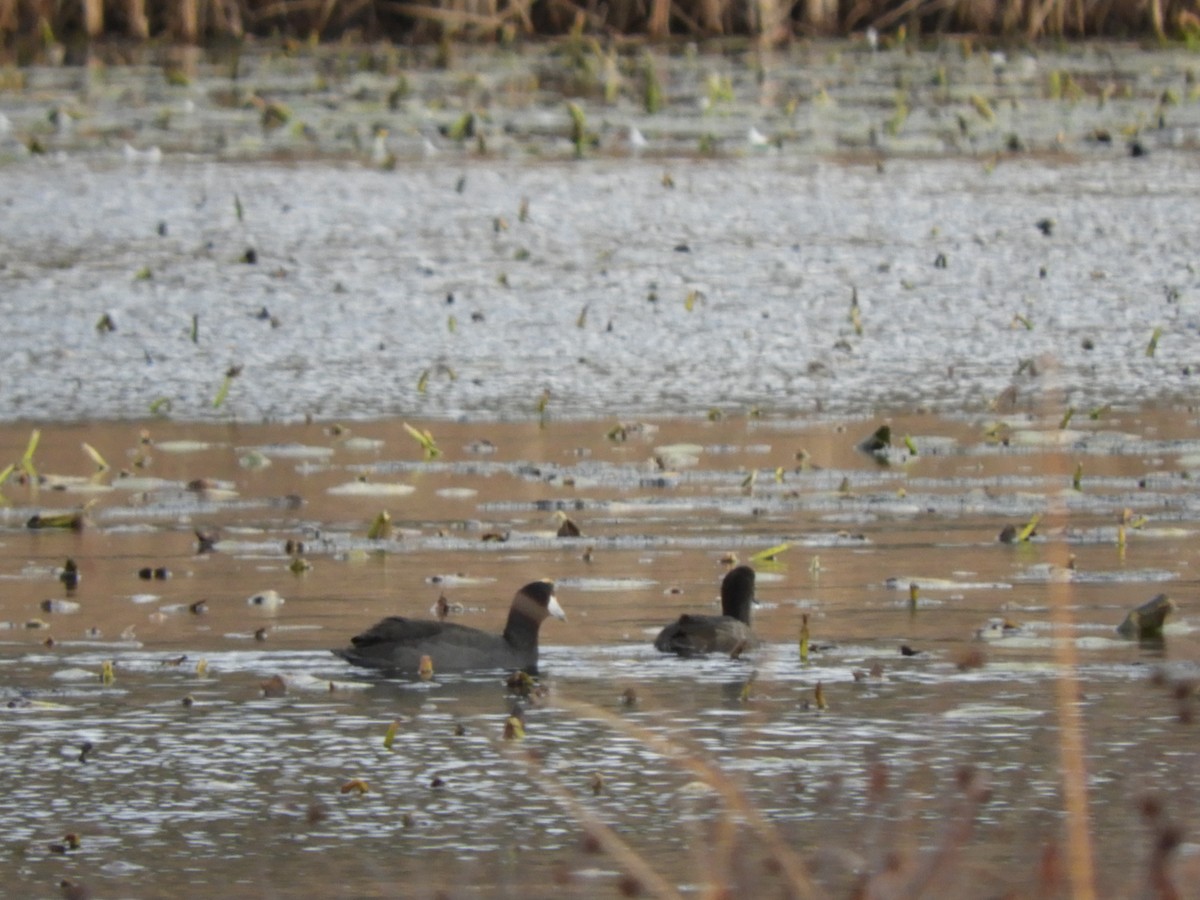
(232, 781)
(678, 345)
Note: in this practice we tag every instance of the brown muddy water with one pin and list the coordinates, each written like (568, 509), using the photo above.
(787, 262)
(196, 771)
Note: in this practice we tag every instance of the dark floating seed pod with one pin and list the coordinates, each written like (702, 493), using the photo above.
(206, 541)
(69, 575)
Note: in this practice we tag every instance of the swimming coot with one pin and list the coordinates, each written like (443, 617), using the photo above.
(397, 644)
(694, 634)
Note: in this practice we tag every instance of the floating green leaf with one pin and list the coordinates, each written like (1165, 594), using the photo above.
(771, 554)
(578, 128)
(983, 107)
(1153, 345)
(744, 695)
(463, 127)
(27, 457)
(652, 95)
(381, 527)
(425, 439)
(1025, 533)
(68, 521)
(223, 391)
(94, 454)
(899, 115)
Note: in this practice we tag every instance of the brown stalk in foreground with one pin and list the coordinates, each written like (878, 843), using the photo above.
(791, 866)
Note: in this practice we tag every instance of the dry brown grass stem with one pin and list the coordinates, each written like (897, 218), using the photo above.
(660, 19)
(1156, 18)
(956, 833)
(594, 21)
(1081, 870)
(1080, 863)
(189, 20)
(459, 18)
(608, 840)
(821, 16)
(906, 9)
(791, 866)
(139, 23)
(93, 17)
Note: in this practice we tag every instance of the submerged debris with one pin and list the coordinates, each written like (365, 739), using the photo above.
(69, 521)
(1148, 619)
(566, 525)
(69, 575)
(1009, 534)
(878, 443)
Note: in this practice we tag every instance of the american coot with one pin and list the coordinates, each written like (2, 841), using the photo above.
(694, 634)
(397, 644)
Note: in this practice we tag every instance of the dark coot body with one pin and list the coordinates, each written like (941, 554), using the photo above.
(397, 644)
(695, 634)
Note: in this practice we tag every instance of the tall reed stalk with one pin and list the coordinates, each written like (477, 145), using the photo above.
(139, 24)
(189, 21)
(93, 17)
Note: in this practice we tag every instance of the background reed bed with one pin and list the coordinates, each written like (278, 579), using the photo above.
(29, 23)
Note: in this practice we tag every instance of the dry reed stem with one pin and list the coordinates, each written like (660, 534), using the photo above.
(592, 19)
(659, 25)
(820, 16)
(1036, 25)
(1081, 870)
(710, 16)
(323, 17)
(93, 17)
(1156, 19)
(139, 24)
(790, 865)
(903, 11)
(189, 21)
(957, 831)
(456, 18)
(611, 842)
(1080, 863)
